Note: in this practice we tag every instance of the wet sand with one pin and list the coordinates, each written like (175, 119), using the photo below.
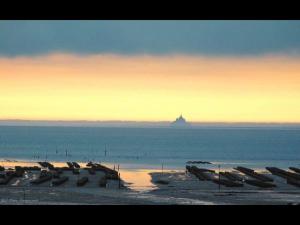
(140, 187)
(21, 191)
(187, 186)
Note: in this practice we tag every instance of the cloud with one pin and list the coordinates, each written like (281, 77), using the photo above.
(150, 37)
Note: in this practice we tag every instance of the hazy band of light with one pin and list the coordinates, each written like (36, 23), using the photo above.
(150, 88)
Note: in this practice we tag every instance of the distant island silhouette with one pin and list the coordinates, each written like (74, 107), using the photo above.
(180, 122)
(144, 124)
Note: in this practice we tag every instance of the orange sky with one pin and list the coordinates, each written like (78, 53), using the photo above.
(150, 88)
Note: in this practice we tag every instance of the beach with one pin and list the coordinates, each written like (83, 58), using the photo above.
(186, 186)
(141, 187)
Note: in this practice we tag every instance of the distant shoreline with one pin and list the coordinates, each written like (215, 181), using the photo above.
(142, 124)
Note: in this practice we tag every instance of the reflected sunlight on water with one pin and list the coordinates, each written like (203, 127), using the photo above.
(138, 180)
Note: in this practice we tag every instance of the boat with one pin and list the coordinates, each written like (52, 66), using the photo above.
(293, 182)
(82, 181)
(19, 171)
(198, 162)
(45, 173)
(261, 184)
(253, 174)
(110, 173)
(164, 182)
(41, 179)
(231, 176)
(112, 176)
(31, 168)
(200, 173)
(70, 165)
(8, 177)
(206, 170)
(297, 170)
(46, 165)
(60, 181)
(284, 174)
(42, 164)
(76, 165)
(228, 183)
(89, 164)
(103, 182)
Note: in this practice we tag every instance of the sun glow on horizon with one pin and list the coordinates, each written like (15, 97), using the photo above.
(150, 88)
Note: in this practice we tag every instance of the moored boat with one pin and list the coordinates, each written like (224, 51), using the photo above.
(82, 181)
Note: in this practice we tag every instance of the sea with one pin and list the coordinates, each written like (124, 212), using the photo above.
(154, 148)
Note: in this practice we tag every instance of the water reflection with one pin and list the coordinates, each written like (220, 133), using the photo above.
(138, 180)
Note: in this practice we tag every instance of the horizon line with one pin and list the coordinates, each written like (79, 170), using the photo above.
(146, 121)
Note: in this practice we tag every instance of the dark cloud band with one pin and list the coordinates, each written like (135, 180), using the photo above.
(150, 37)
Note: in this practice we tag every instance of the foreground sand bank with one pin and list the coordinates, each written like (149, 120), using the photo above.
(185, 185)
(141, 187)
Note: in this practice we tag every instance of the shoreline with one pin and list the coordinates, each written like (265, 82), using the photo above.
(138, 179)
(135, 167)
(142, 187)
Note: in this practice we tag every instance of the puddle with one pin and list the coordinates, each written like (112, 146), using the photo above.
(138, 180)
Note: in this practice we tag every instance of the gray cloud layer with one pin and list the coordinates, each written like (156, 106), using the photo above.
(150, 37)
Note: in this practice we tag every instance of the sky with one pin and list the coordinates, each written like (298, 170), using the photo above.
(210, 71)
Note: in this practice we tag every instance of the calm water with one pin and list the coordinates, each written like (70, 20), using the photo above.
(152, 147)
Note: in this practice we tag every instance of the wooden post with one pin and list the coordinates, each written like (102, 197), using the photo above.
(219, 179)
(24, 195)
(119, 181)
